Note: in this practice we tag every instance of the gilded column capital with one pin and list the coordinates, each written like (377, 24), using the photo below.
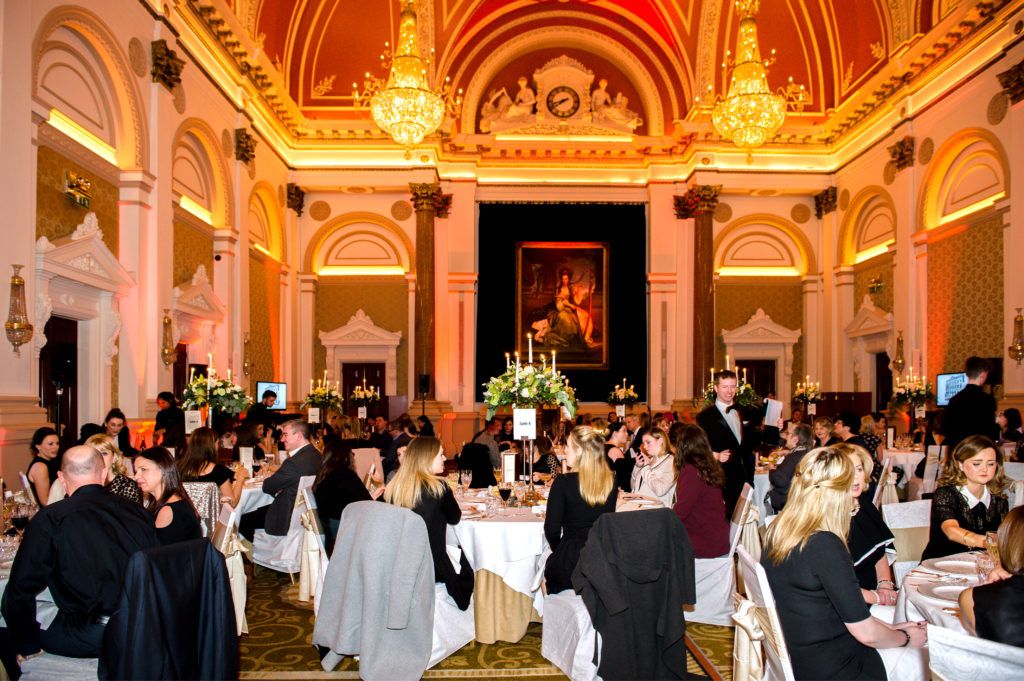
(825, 202)
(424, 195)
(701, 198)
(1012, 81)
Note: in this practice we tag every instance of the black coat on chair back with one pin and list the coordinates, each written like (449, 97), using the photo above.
(635, 573)
(176, 619)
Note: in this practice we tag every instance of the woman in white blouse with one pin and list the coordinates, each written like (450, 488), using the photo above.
(655, 473)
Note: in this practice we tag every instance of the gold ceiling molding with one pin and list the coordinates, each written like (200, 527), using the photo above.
(707, 44)
(565, 37)
(132, 142)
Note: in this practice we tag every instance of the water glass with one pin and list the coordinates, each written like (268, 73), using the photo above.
(985, 565)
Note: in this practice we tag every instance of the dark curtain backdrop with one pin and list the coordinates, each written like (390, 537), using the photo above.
(624, 228)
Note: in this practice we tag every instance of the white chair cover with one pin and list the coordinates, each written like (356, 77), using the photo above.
(750, 535)
(883, 482)
(770, 648)
(568, 638)
(889, 495)
(313, 567)
(715, 578)
(453, 628)
(284, 553)
(225, 540)
(1013, 470)
(931, 467)
(50, 667)
(913, 516)
(955, 657)
(56, 492)
(205, 497)
(26, 487)
(1016, 493)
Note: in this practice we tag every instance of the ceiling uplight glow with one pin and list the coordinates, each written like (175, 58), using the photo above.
(360, 270)
(88, 140)
(195, 209)
(872, 252)
(758, 272)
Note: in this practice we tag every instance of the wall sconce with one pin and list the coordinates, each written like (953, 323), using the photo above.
(875, 285)
(898, 362)
(1016, 349)
(168, 350)
(78, 189)
(18, 329)
(247, 364)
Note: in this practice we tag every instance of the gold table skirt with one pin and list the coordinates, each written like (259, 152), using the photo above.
(501, 613)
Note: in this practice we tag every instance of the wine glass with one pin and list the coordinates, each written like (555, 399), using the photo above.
(465, 479)
(505, 490)
(19, 517)
(985, 565)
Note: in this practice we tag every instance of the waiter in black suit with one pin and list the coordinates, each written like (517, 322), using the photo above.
(972, 411)
(303, 460)
(733, 445)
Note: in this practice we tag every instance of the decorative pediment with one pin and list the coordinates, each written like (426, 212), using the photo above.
(197, 299)
(360, 330)
(869, 320)
(760, 329)
(84, 259)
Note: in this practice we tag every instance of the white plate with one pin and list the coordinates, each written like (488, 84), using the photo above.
(947, 593)
(952, 565)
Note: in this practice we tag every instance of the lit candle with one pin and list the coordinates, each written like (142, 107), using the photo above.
(337, 384)
(555, 371)
(229, 374)
(727, 362)
(544, 363)
(623, 381)
(311, 385)
(191, 373)
(712, 374)
(529, 343)
(325, 375)
(631, 386)
(508, 360)
(209, 360)
(744, 374)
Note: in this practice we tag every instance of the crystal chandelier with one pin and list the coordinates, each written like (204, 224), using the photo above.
(406, 108)
(751, 113)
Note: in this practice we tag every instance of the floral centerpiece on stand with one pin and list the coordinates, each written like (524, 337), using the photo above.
(324, 396)
(217, 394)
(529, 386)
(917, 392)
(623, 395)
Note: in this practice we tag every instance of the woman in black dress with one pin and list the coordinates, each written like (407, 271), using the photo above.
(995, 611)
(337, 485)
(616, 441)
(870, 541)
(969, 500)
(576, 501)
(829, 631)
(42, 469)
(198, 463)
(174, 515)
(416, 486)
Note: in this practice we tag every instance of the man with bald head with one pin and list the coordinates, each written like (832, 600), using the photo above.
(78, 548)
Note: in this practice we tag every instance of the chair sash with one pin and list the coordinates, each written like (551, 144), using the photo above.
(312, 568)
(747, 664)
(1017, 493)
(227, 541)
(888, 495)
(750, 536)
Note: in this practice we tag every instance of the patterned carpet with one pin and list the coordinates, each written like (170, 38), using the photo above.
(280, 630)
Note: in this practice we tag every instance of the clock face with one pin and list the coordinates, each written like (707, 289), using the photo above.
(563, 101)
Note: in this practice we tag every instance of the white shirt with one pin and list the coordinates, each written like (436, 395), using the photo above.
(972, 501)
(732, 418)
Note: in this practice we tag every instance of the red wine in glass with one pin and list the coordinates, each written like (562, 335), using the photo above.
(20, 522)
(505, 493)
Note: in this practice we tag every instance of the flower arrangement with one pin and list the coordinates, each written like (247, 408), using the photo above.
(363, 396)
(623, 395)
(745, 396)
(221, 395)
(808, 393)
(529, 386)
(917, 392)
(324, 396)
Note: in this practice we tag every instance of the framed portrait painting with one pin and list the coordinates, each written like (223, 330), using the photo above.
(562, 299)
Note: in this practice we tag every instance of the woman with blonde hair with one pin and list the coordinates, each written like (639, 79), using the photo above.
(118, 481)
(575, 502)
(829, 631)
(969, 499)
(416, 486)
(654, 476)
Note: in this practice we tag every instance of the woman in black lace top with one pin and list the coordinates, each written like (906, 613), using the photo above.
(969, 500)
(117, 482)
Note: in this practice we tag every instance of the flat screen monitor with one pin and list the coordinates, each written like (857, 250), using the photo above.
(947, 385)
(280, 388)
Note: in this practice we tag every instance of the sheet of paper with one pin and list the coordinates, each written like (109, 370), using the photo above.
(620, 411)
(361, 412)
(508, 467)
(890, 437)
(772, 412)
(812, 408)
(245, 455)
(193, 420)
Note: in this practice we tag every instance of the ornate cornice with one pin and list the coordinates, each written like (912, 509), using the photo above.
(700, 199)
(166, 68)
(825, 202)
(902, 153)
(1012, 81)
(296, 198)
(245, 145)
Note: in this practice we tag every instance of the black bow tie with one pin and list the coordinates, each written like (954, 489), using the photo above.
(730, 408)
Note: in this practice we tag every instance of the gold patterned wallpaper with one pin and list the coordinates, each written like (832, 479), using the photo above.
(881, 267)
(965, 296)
(57, 215)
(735, 304)
(192, 247)
(384, 299)
(264, 318)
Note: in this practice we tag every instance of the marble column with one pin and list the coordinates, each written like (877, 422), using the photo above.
(701, 203)
(425, 198)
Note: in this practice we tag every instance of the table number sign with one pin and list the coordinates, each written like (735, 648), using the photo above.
(524, 424)
(812, 409)
(508, 467)
(890, 437)
(361, 413)
(620, 411)
(245, 456)
(193, 420)
(314, 414)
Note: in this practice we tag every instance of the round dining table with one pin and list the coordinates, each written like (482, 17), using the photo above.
(928, 594)
(252, 497)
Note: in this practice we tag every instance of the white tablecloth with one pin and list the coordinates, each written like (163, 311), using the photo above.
(253, 497)
(509, 546)
(46, 609)
(904, 459)
(913, 606)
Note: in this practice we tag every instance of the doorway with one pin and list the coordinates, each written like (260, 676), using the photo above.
(760, 374)
(883, 382)
(58, 376)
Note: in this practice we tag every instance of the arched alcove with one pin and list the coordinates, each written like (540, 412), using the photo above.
(359, 240)
(869, 226)
(969, 173)
(763, 244)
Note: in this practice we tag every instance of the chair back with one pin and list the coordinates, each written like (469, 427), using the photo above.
(56, 492)
(953, 656)
(763, 619)
(935, 455)
(30, 493)
(883, 481)
(205, 497)
(226, 529)
(910, 522)
(740, 515)
(1013, 470)
(314, 559)
(363, 458)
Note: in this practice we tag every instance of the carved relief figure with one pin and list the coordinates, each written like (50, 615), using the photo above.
(600, 99)
(524, 103)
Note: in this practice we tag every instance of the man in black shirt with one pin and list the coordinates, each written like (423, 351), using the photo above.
(260, 413)
(972, 411)
(78, 548)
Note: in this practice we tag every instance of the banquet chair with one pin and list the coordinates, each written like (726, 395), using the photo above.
(759, 647)
(56, 492)
(1014, 470)
(26, 486)
(225, 540)
(314, 553)
(568, 639)
(953, 656)
(909, 522)
(50, 667)
(885, 491)
(716, 577)
(926, 484)
(284, 553)
(205, 497)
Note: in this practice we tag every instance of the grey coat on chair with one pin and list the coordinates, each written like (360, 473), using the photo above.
(378, 602)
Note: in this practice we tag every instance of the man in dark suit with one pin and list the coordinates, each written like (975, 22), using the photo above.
(732, 442)
(401, 435)
(972, 411)
(283, 485)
